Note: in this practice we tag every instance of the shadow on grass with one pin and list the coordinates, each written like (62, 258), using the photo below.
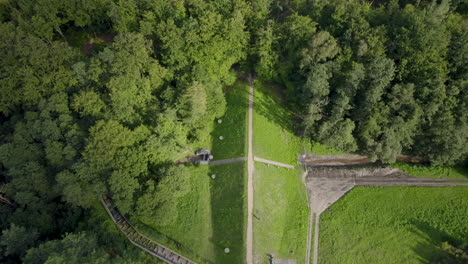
(228, 189)
(430, 250)
(270, 105)
(233, 128)
(228, 211)
(462, 169)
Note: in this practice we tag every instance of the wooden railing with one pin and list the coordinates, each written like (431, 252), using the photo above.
(140, 240)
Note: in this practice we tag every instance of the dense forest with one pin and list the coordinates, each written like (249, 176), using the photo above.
(101, 96)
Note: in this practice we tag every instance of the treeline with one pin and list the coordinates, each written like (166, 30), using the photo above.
(75, 126)
(381, 79)
(378, 79)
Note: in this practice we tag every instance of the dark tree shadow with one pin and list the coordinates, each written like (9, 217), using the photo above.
(462, 169)
(228, 211)
(233, 128)
(267, 106)
(429, 249)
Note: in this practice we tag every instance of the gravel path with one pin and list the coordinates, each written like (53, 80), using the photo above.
(309, 238)
(316, 237)
(279, 164)
(217, 162)
(251, 171)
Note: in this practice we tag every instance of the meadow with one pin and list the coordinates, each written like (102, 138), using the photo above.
(280, 214)
(394, 225)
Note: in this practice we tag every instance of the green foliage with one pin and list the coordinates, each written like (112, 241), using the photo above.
(76, 124)
(274, 136)
(451, 172)
(348, 64)
(267, 59)
(73, 248)
(17, 239)
(159, 203)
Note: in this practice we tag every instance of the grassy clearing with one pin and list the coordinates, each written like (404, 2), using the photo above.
(280, 214)
(234, 124)
(454, 172)
(274, 138)
(393, 224)
(211, 217)
(192, 231)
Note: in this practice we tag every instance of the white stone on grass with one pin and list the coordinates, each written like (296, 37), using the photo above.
(227, 250)
(220, 121)
(221, 137)
(213, 176)
(211, 157)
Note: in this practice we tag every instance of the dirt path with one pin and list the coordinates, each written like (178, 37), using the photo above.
(225, 161)
(250, 171)
(349, 160)
(316, 237)
(279, 164)
(309, 237)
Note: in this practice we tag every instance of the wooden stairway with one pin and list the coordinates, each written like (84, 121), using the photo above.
(141, 240)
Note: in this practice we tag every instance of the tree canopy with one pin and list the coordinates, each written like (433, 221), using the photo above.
(101, 96)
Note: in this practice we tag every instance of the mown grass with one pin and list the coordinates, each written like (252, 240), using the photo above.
(274, 136)
(454, 172)
(234, 124)
(280, 214)
(229, 211)
(393, 224)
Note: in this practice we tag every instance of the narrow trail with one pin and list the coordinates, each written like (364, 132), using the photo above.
(316, 237)
(250, 171)
(225, 161)
(279, 164)
(309, 237)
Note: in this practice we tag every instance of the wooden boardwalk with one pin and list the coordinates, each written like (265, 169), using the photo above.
(142, 241)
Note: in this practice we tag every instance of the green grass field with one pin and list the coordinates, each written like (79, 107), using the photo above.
(234, 124)
(280, 214)
(455, 172)
(393, 225)
(274, 138)
(211, 217)
(229, 211)
(273, 135)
